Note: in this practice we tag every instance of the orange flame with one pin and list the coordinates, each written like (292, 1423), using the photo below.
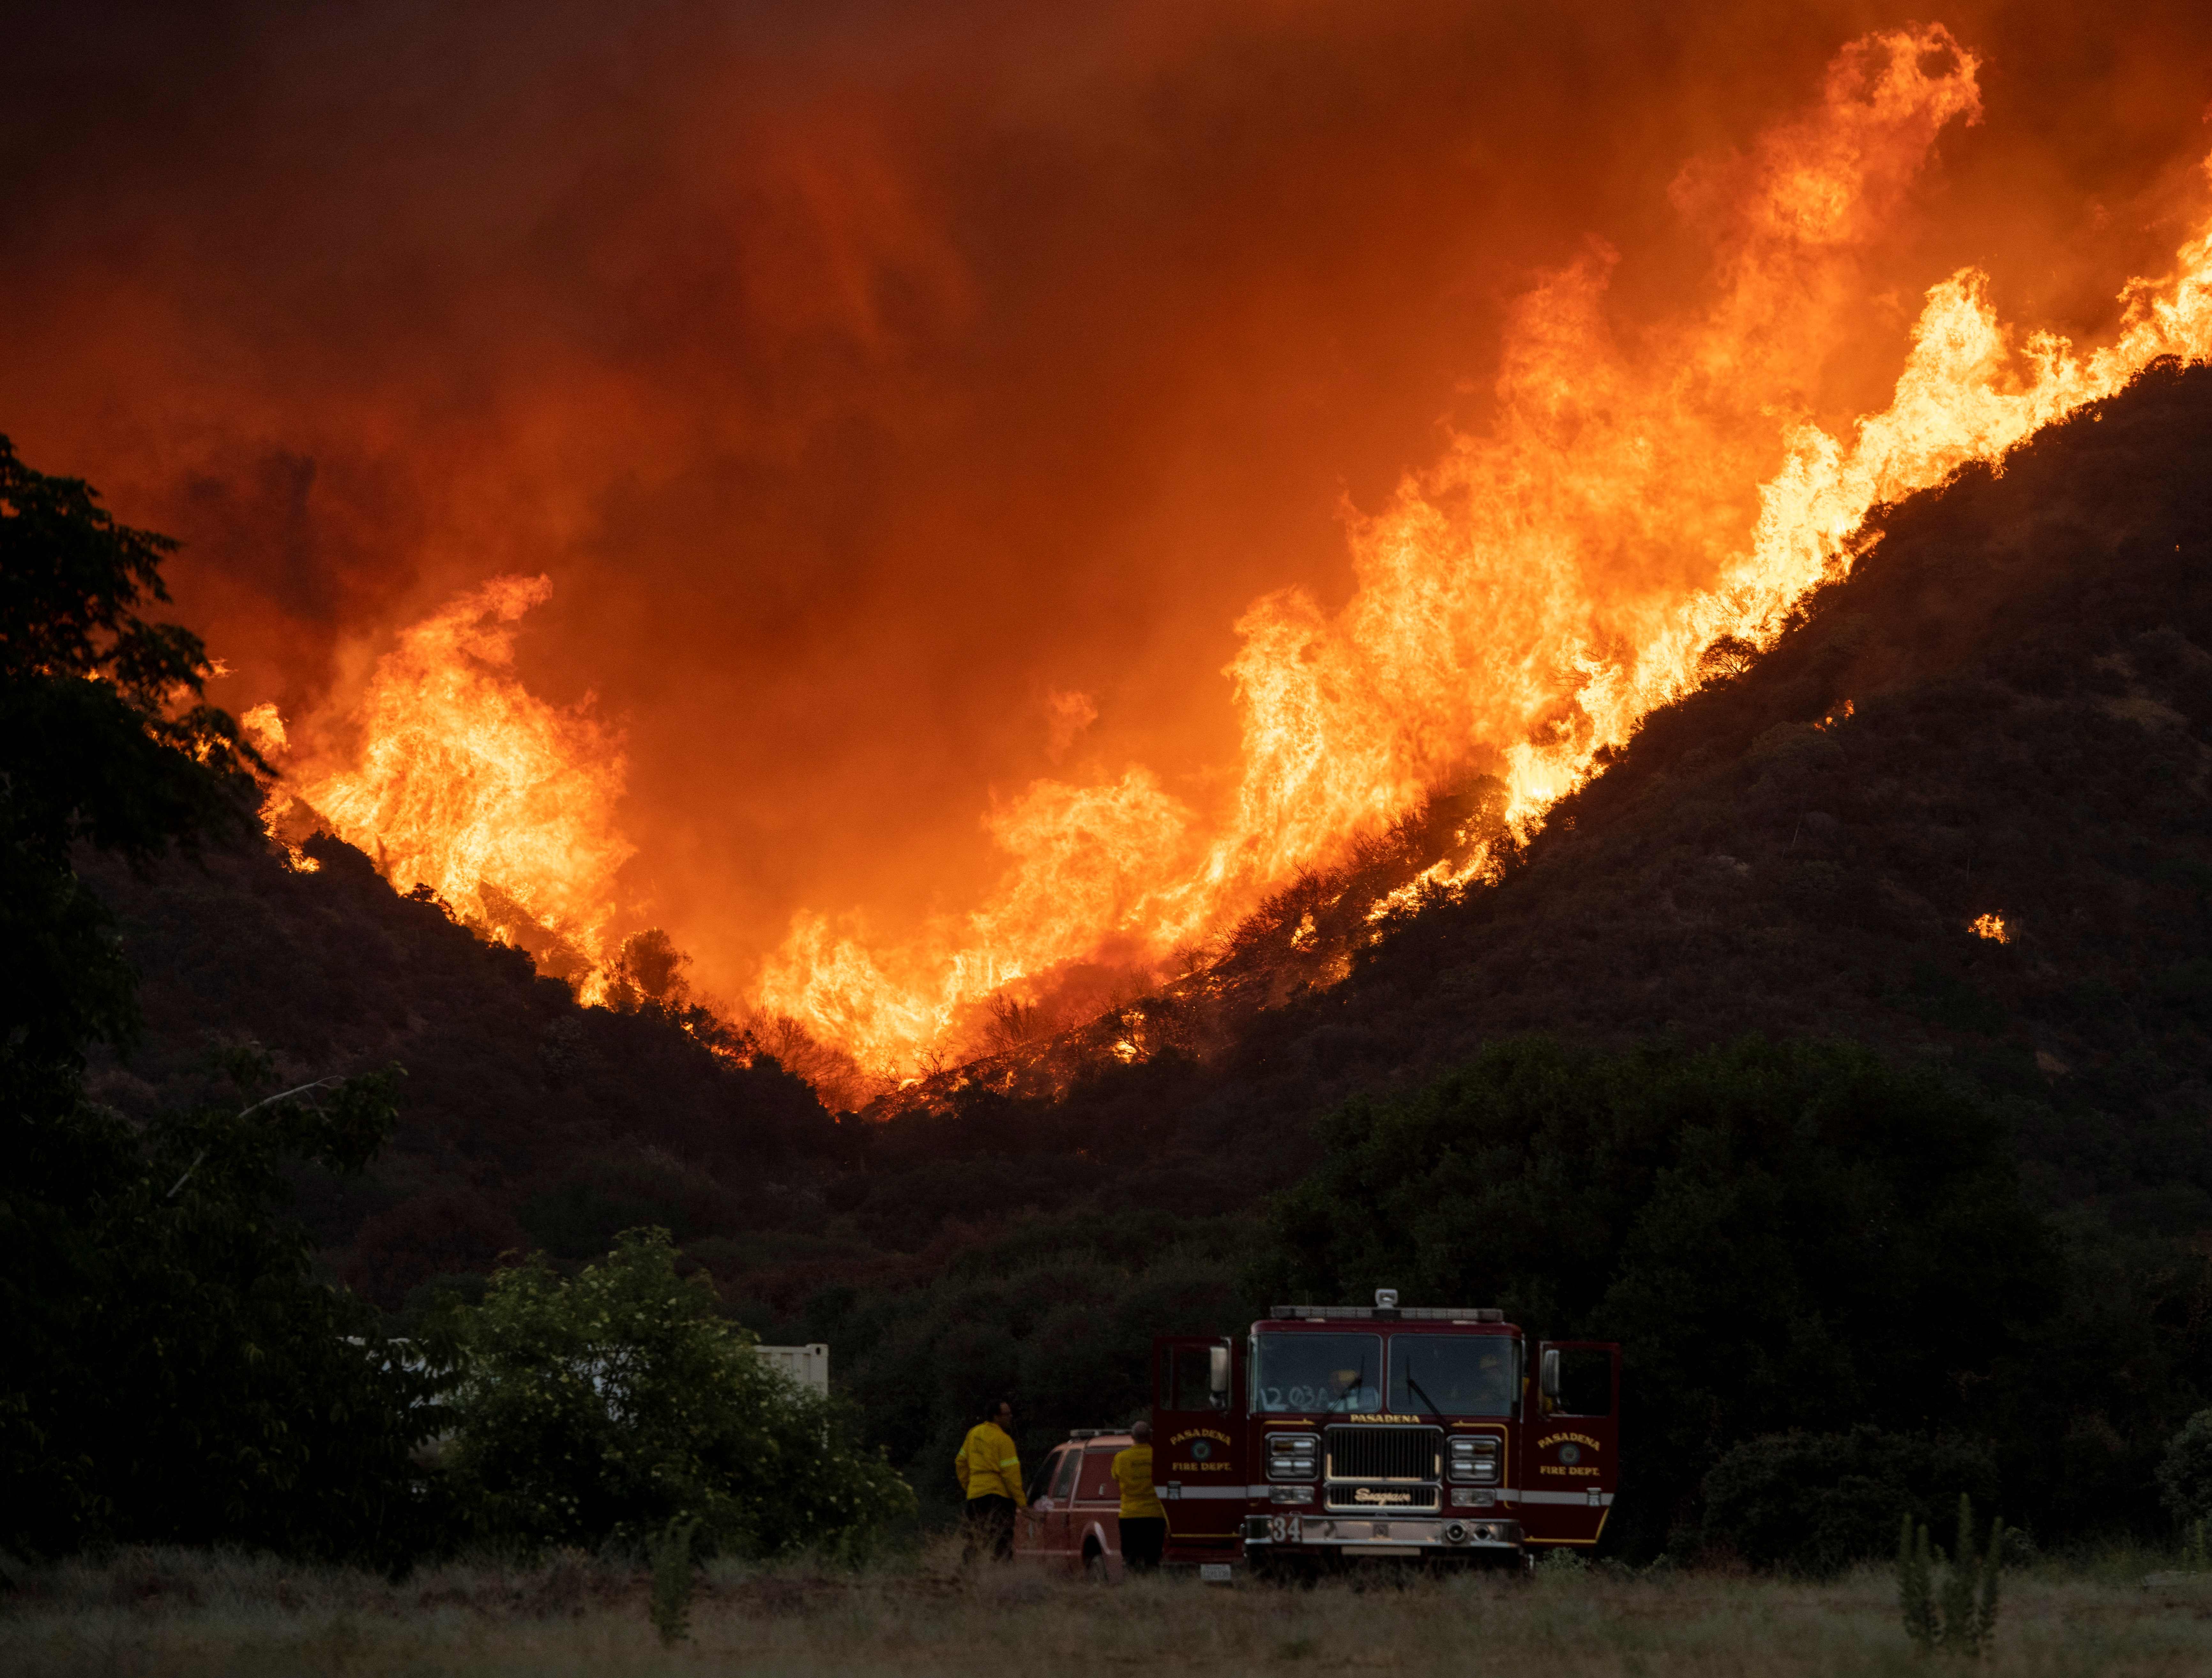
(1991, 927)
(1526, 601)
(1520, 607)
(466, 782)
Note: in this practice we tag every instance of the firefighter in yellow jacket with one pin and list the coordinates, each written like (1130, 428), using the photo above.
(990, 1472)
(1143, 1522)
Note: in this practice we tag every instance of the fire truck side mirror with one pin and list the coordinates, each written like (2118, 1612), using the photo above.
(1548, 1381)
(1217, 1376)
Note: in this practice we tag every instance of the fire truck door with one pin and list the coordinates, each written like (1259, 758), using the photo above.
(1198, 1438)
(1570, 1463)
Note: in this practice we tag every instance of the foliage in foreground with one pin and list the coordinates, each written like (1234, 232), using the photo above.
(617, 1406)
(183, 1376)
(1961, 1618)
(173, 1371)
(2185, 1476)
(1815, 1503)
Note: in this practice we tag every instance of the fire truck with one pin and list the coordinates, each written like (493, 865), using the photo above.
(1333, 1433)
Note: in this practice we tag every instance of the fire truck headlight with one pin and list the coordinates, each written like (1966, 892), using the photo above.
(1472, 1460)
(1293, 1456)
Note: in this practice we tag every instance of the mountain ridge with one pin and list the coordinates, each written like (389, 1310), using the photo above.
(2003, 710)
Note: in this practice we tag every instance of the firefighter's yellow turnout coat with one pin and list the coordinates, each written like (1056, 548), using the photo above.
(988, 1465)
(1133, 1473)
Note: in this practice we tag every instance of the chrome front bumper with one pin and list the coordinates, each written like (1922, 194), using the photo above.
(1399, 1536)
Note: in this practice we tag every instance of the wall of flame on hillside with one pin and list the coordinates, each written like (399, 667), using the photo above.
(1523, 602)
(913, 420)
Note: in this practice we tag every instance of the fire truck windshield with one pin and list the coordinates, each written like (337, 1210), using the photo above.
(1451, 1374)
(1341, 1373)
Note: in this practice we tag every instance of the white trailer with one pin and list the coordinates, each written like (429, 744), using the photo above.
(806, 1367)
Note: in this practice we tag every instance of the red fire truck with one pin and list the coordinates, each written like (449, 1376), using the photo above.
(1337, 1433)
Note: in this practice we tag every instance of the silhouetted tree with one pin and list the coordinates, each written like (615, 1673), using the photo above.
(172, 1371)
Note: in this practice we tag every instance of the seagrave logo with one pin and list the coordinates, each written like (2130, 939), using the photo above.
(1369, 1494)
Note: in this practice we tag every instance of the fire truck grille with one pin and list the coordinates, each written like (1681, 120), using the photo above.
(1383, 1453)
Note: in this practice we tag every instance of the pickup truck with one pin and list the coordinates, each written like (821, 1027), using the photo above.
(1073, 1522)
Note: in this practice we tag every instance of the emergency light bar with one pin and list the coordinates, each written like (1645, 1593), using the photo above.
(1389, 1313)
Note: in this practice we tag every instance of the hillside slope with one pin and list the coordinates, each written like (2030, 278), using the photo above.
(2004, 711)
(524, 1119)
(2007, 712)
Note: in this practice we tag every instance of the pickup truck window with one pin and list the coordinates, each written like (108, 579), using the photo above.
(1063, 1483)
(1341, 1373)
(1048, 1472)
(1451, 1374)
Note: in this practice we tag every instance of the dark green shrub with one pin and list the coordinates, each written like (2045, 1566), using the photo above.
(608, 1407)
(1815, 1503)
(2185, 1477)
(184, 1375)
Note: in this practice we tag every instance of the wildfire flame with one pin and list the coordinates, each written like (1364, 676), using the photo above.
(1991, 927)
(1526, 601)
(1521, 604)
(468, 783)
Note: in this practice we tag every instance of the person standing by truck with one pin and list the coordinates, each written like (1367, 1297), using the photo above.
(1144, 1522)
(989, 1469)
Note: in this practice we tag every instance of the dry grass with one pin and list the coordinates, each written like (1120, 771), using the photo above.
(169, 1611)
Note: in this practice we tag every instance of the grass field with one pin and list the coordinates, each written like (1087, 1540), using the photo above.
(172, 1612)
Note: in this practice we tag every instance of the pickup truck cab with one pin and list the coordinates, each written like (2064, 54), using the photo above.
(1073, 1522)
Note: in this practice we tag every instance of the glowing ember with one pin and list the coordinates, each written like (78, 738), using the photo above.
(1991, 927)
(1526, 601)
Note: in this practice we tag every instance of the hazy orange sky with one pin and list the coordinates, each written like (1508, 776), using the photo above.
(864, 376)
